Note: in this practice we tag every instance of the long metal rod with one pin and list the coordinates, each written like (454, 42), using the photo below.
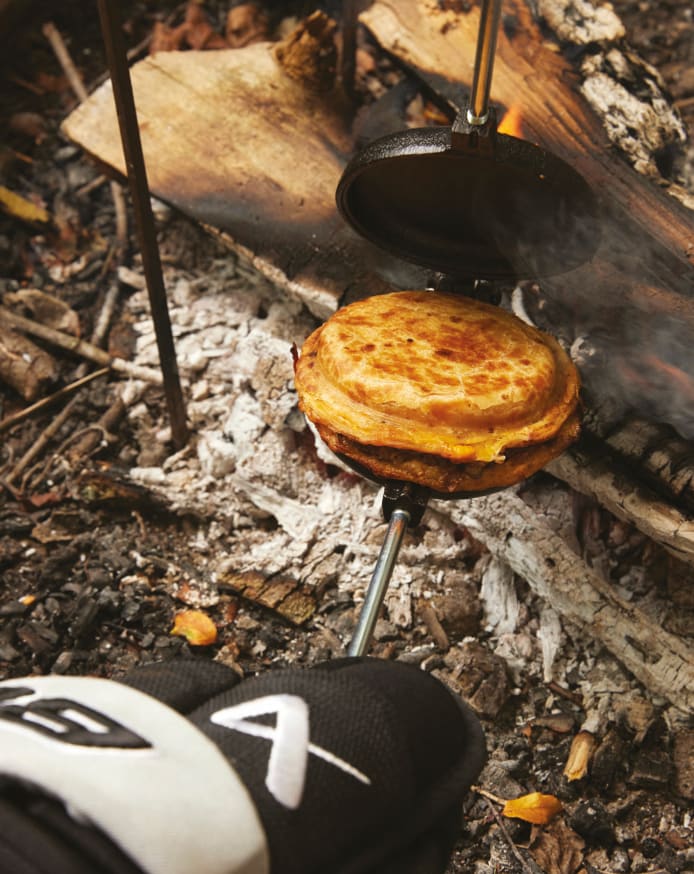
(490, 13)
(348, 59)
(383, 571)
(144, 220)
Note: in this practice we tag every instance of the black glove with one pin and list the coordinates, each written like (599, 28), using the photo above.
(357, 766)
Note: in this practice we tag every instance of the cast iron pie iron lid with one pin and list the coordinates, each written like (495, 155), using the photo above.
(470, 202)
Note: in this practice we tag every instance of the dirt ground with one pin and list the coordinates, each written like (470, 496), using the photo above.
(95, 565)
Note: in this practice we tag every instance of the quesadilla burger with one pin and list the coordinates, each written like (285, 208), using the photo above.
(439, 390)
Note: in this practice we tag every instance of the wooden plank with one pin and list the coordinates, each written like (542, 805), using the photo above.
(232, 142)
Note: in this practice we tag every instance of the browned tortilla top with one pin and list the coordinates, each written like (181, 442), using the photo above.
(435, 373)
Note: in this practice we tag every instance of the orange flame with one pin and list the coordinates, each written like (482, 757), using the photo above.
(681, 380)
(511, 123)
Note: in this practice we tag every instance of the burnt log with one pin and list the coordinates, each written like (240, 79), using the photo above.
(512, 532)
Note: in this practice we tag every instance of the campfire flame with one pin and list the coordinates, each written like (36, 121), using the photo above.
(669, 374)
(512, 122)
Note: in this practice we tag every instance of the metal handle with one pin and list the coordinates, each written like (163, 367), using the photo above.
(490, 13)
(383, 571)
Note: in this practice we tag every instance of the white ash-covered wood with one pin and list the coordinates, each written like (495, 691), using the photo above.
(513, 532)
(613, 488)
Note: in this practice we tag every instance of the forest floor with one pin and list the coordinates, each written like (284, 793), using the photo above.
(95, 565)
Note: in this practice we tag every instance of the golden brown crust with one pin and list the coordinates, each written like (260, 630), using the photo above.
(436, 375)
(447, 477)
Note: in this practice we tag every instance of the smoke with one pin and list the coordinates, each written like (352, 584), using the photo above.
(632, 344)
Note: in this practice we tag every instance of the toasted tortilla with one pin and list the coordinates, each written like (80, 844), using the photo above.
(437, 375)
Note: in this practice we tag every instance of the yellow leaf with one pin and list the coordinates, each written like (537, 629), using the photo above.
(535, 807)
(22, 208)
(197, 628)
(580, 755)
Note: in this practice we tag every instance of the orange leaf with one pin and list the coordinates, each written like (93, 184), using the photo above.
(197, 628)
(535, 807)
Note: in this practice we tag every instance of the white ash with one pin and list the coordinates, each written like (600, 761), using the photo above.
(598, 24)
(276, 504)
(498, 594)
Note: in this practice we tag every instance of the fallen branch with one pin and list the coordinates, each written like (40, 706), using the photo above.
(613, 489)
(511, 530)
(81, 348)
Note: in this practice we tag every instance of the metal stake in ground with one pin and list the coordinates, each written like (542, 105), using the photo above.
(349, 45)
(144, 220)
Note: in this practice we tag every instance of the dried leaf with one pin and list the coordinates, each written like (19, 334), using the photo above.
(199, 32)
(196, 626)
(246, 24)
(557, 849)
(165, 39)
(24, 365)
(535, 807)
(22, 208)
(46, 309)
(29, 124)
(580, 754)
(46, 499)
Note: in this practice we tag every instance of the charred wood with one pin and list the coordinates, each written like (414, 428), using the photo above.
(666, 460)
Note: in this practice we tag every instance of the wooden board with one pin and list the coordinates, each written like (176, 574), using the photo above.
(232, 142)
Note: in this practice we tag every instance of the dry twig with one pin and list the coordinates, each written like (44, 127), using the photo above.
(80, 347)
(504, 831)
(27, 412)
(434, 627)
(53, 36)
(46, 436)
